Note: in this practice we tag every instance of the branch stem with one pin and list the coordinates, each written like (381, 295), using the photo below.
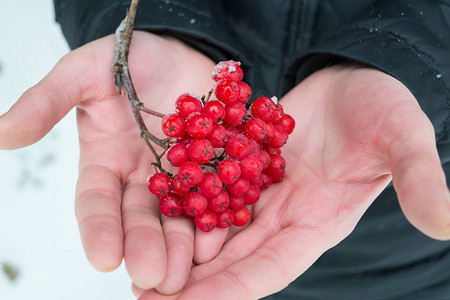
(122, 80)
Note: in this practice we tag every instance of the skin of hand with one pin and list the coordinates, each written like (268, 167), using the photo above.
(356, 130)
(118, 218)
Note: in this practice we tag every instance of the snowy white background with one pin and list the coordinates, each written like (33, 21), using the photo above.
(38, 230)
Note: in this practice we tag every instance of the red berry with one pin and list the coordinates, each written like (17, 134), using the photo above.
(231, 129)
(252, 195)
(211, 185)
(229, 171)
(258, 181)
(173, 125)
(177, 154)
(288, 123)
(159, 184)
(194, 204)
(279, 113)
(227, 70)
(170, 205)
(263, 108)
(187, 104)
(256, 129)
(251, 166)
(272, 151)
(215, 110)
(270, 130)
(267, 181)
(254, 148)
(185, 139)
(199, 125)
(200, 151)
(277, 177)
(227, 91)
(206, 221)
(241, 216)
(279, 138)
(236, 202)
(218, 136)
(238, 146)
(225, 219)
(245, 92)
(190, 174)
(235, 113)
(277, 165)
(240, 187)
(178, 188)
(265, 157)
(219, 203)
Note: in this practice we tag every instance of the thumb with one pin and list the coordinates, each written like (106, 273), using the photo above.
(45, 104)
(419, 179)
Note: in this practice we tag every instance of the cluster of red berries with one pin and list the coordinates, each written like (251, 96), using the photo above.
(225, 154)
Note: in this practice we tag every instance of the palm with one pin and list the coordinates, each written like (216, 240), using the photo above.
(338, 168)
(116, 214)
(346, 147)
(113, 152)
(356, 128)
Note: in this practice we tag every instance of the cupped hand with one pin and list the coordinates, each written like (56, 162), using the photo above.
(356, 130)
(117, 216)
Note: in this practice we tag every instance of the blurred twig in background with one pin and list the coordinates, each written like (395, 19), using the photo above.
(10, 271)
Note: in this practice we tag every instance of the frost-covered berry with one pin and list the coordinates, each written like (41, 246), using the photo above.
(187, 104)
(230, 70)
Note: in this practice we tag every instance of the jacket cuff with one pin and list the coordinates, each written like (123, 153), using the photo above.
(391, 54)
(201, 24)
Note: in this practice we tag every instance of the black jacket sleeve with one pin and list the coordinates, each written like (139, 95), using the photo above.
(200, 23)
(406, 39)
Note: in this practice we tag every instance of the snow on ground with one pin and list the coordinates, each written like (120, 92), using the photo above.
(38, 232)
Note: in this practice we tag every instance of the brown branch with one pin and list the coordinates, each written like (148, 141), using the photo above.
(209, 94)
(151, 112)
(122, 80)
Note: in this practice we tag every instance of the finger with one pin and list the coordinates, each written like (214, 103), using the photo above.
(154, 295)
(419, 179)
(247, 241)
(137, 291)
(145, 251)
(269, 268)
(71, 80)
(208, 244)
(179, 236)
(97, 209)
